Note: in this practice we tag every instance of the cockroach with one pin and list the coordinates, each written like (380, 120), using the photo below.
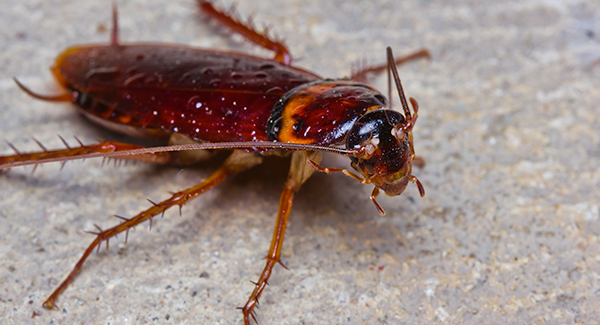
(202, 100)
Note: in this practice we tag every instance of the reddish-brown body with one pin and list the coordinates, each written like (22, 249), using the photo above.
(209, 96)
(226, 100)
(206, 95)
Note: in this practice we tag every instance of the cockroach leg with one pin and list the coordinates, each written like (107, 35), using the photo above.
(237, 162)
(57, 98)
(361, 72)
(282, 54)
(274, 255)
(299, 172)
(323, 169)
(378, 206)
(419, 185)
(103, 147)
(329, 170)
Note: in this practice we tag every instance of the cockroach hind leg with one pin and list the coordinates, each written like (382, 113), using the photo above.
(218, 176)
(56, 98)
(104, 149)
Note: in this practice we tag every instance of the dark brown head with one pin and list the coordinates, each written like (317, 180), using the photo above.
(386, 150)
(384, 140)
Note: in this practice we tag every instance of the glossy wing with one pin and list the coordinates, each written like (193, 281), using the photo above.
(206, 95)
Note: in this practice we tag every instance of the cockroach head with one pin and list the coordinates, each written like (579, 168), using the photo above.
(385, 149)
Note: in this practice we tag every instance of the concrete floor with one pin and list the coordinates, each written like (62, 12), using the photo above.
(508, 232)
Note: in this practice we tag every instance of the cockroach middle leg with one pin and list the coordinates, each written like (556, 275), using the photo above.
(299, 172)
(237, 162)
(274, 255)
(282, 54)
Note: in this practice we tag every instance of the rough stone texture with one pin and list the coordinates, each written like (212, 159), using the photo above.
(508, 232)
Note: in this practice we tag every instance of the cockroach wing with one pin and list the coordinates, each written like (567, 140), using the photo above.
(205, 95)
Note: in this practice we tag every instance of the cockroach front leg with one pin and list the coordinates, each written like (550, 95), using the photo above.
(298, 174)
(348, 173)
(237, 162)
(329, 170)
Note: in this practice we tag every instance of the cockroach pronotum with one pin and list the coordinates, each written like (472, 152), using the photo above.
(202, 100)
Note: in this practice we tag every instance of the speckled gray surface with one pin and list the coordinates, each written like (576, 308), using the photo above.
(508, 232)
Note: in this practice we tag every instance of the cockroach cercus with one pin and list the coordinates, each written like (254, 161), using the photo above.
(202, 100)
